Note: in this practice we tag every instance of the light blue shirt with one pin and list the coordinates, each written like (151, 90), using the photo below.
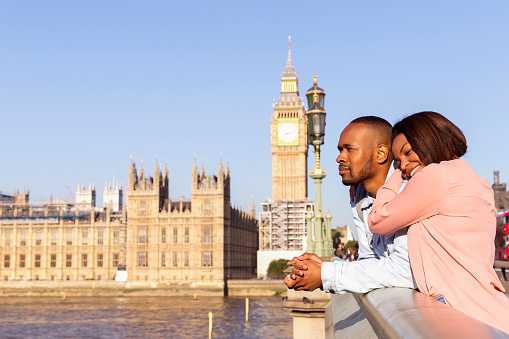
(370, 245)
(383, 260)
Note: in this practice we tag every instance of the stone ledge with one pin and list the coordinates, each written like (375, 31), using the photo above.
(406, 313)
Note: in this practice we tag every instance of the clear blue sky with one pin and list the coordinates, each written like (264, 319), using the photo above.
(87, 84)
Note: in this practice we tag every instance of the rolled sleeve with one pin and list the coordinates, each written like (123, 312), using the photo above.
(368, 274)
(328, 274)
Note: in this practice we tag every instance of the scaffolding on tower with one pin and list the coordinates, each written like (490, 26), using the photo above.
(282, 224)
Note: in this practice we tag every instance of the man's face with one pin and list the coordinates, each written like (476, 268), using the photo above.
(355, 157)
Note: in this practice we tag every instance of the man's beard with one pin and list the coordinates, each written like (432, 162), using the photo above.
(364, 173)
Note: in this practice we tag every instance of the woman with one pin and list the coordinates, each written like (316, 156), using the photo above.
(349, 254)
(452, 216)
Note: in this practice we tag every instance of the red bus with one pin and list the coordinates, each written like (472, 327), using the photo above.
(502, 237)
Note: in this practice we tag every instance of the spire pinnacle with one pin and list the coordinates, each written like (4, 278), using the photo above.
(156, 168)
(289, 71)
(289, 82)
(253, 209)
(142, 172)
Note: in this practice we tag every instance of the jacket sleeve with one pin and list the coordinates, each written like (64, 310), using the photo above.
(368, 274)
(424, 196)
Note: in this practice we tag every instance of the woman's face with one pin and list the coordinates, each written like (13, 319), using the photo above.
(408, 161)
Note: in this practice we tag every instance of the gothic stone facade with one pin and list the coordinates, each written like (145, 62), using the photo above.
(58, 242)
(199, 240)
(161, 240)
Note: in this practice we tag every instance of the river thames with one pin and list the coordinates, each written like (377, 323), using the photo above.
(141, 317)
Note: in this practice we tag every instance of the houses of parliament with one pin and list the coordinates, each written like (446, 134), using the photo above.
(152, 238)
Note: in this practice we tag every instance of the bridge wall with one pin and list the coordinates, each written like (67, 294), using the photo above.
(399, 313)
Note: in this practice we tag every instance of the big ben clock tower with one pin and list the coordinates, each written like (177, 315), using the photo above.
(282, 223)
(289, 141)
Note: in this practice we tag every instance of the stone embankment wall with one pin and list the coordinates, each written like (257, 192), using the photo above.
(113, 288)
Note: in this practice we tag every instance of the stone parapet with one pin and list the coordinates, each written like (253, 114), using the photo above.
(401, 313)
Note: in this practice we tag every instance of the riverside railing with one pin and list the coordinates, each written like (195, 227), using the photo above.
(399, 313)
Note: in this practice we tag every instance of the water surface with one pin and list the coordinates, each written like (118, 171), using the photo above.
(141, 317)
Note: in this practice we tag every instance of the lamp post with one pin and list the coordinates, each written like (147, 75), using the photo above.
(319, 241)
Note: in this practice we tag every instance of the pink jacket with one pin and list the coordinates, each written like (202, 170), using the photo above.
(451, 239)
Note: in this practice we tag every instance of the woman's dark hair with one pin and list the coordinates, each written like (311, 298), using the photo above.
(433, 137)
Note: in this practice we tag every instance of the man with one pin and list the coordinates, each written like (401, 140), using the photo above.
(365, 163)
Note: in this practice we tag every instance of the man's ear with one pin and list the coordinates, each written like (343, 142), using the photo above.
(382, 154)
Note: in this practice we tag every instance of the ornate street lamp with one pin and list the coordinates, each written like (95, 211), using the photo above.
(322, 243)
(316, 112)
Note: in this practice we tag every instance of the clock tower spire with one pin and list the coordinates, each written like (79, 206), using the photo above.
(282, 225)
(289, 142)
(289, 80)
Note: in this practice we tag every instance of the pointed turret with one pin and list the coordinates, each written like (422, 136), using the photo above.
(253, 210)
(194, 175)
(156, 168)
(142, 172)
(220, 174)
(157, 176)
(131, 182)
(165, 187)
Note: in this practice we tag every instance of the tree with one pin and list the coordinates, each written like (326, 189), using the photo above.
(335, 232)
(276, 268)
(351, 244)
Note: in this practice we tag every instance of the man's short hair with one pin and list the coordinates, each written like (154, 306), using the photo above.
(382, 126)
(372, 121)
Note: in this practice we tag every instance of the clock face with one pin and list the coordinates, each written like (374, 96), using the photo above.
(287, 133)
